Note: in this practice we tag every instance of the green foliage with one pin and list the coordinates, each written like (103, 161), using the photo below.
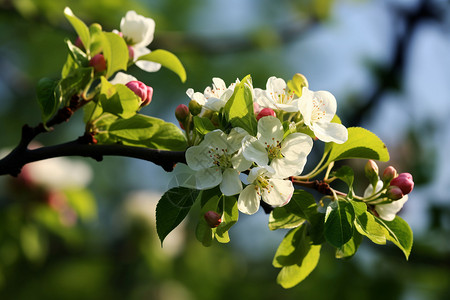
(115, 51)
(203, 125)
(75, 83)
(172, 208)
(361, 143)
(118, 99)
(339, 223)
(238, 110)
(79, 26)
(168, 60)
(48, 102)
(399, 233)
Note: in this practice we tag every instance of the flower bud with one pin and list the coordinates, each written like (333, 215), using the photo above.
(266, 112)
(130, 53)
(98, 62)
(181, 112)
(139, 88)
(404, 181)
(256, 108)
(79, 44)
(149, 96)
(212, 218)
(215, 119)
(389, 174)
(194, 107)
(394, 193)
(371, 171)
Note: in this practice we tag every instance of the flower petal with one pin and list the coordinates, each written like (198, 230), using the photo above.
(217, 140)
(239, 162)
(296, 147)
(389, 211)
(330, 132)
(199, 158)
(254, 151)
(183, 176)
(208, 178)
(270, 131)
(305, 104)
(147, 66)
(137, 29)
(278, 193)
(235, 138)
(248, 201)
(328, 102)
(231, 184)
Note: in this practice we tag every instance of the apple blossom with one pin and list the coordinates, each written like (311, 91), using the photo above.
(213, 98)
(274, 191)
(404, 181)
(138, 32)
(277, 96)
(318, 109)
(286, 156)
(386, 211)
(218, 160)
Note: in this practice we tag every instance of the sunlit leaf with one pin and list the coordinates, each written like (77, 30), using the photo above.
(81, 29)
(168, 60)
(339, 223)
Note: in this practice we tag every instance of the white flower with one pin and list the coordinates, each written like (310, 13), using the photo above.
(213, 98)
(318, 109)
(138, 32)
(386, 211)
(277, 96)
(122, 78)
(274, 191)
(286, 156)
(218, 159)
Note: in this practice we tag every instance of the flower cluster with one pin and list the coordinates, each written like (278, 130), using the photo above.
(287, 121)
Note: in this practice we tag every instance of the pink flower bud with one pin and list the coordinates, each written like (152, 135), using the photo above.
(181, 112)
(256, 108)
(141, 90)
(98, 62)
(130, 53)
(212, 218)
(266, 112)
(389, 174)
(404, 181)
(394, 193)
(79, 44)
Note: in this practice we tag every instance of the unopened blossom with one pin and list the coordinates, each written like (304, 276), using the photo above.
(263, 185)
(98, 62)
(386, 211)
(318, 109)
(277, 96)
(215, 97)
(138, 31)
(404, 181)
(144, 92)
(218, 160)
(287, 156)
(265, 112)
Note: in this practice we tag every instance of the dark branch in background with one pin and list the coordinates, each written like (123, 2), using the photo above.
(390, 77)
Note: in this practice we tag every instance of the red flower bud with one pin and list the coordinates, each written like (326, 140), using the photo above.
(256, 108)
(404, 181)
(389, 174)
(265, 112)
(394, 193)
(212, 218)
(181, 112)
(98, 62)
(141, 90)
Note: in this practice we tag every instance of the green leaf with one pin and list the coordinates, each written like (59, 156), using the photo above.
(346, 174)
(399, 233)
(96, 39)
(68, 67)
(79, 57)
(77, 81)
(349, 249)
(297, 257)
(118, 99)
(366, 225)
(92, 110)
(203, 125)
(300, 208)
(83, 202)
(239, 108)
(209, 200)
(172, 208)
(230, 216)
(115, 51)
(339, 223)
(81, 29)
(48, 102)
(297, 83)
(168, 60)
(361, 143)
(145, 131)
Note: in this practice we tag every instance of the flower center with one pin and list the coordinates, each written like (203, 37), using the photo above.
(262, 183)
(221, 158)
(318, 111)
(282, 98)
(274, 150)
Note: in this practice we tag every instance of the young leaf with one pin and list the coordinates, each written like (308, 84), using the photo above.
(78, 56)
(361, 143)
(339, 223)
(239, 108)
(399, 233)
(346, 174)
(168, 60)
(48, 102)
(78, 80)
(115, 51)
(280, 217)
(79, 26)
(349, 249)
(172, 208)
(118, 99)
(297, 83)
(230, 216)
(203, 125)
(366, 225)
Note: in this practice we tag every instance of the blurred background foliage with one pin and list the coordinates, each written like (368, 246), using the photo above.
(387, 62)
